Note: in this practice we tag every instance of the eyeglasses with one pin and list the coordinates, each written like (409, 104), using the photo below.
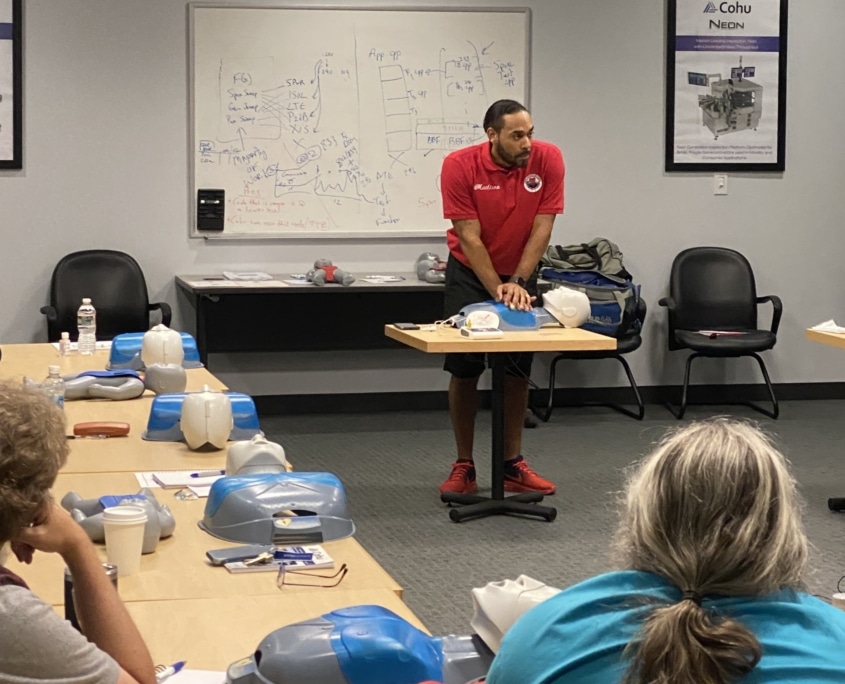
(283, 577)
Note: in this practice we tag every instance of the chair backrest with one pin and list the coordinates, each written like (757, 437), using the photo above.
(713, 289)
(114, 282)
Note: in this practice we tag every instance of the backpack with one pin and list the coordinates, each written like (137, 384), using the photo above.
(614, 298)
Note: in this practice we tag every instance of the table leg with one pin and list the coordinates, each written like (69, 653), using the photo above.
(475, 506)
(203, 302)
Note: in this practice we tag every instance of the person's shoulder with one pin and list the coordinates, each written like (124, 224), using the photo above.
(620, 581)
(546, 149)
(621, 587)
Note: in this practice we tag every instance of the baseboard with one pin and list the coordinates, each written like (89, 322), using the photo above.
(378, 402)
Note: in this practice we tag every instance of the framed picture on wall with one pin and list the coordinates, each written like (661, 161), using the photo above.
(11, 113)
(726, 85)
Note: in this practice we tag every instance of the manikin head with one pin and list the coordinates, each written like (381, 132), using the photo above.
(570, 307)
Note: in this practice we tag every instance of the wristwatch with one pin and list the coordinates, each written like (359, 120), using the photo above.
(519, 281)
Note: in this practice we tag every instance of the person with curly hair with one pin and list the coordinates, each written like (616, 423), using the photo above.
(37, 644)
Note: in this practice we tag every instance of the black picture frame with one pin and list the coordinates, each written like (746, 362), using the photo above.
(717, 160)
(15, 136)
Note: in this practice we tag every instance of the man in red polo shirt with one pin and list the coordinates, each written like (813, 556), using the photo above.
(502, 197)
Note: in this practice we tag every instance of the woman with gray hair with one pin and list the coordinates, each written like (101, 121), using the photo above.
(712, 540)
(36, 645)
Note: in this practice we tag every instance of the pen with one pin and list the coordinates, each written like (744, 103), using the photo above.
(208, 473)
(293, 555)
(163, 673)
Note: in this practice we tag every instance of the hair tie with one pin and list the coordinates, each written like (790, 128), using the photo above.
(689, 595)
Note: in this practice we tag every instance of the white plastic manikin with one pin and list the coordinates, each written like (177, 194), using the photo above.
(206, 419)
(498, 605)
(162, 345)
(256, 455)
(570, 307)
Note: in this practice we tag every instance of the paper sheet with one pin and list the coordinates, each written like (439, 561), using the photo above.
(829, 326)
(235, 284)
(197, 677)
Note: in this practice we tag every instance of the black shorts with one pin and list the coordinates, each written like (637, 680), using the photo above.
(462, 288)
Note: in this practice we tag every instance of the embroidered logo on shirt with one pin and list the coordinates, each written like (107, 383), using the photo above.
(533, 182)
(480, 186)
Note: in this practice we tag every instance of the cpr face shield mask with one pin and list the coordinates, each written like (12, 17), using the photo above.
(569, 307)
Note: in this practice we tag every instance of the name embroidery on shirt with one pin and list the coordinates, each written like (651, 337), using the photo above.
(480, 186)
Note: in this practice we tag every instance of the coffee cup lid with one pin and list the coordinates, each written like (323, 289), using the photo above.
(124, 514)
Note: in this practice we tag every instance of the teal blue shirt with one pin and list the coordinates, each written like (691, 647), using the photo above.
(580, 634)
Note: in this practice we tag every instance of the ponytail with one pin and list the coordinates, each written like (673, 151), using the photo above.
(684, 643)
(714, 509)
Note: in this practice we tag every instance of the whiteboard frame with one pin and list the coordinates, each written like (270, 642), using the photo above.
(339, 235)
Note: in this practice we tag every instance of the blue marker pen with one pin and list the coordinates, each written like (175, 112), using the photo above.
(163, 673)
(208, 473)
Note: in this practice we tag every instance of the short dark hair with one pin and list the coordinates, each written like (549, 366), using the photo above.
(498, 110)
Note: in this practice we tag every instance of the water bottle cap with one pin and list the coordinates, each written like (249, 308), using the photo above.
(53, 370)
(65, 335)
(86, 300)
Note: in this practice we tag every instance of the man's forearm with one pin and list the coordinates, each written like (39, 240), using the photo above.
(103, 616)
(479, 260)
(469, 234)
(538, 242)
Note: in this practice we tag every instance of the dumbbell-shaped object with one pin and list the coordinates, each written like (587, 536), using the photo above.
(431, 268)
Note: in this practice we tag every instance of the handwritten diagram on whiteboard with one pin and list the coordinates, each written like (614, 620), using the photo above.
(321, 122)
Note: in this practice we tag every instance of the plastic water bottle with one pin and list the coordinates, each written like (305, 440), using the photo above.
(54, 386)
(86, 324)
(64, 344)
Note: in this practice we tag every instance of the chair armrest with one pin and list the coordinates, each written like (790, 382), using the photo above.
(50, 313)
(777, 310)
(642, 309)
(166, 312)
(668, 302)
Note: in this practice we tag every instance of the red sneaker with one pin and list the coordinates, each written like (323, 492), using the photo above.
(520, 478)
(461, 480)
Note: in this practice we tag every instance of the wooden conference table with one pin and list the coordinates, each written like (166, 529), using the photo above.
(829, 338)
(185, 608)
(445, 340)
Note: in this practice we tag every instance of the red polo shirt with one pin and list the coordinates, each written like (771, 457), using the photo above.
(505, 201)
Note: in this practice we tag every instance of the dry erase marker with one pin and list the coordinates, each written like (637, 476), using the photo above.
(163, 673)
(208, 473)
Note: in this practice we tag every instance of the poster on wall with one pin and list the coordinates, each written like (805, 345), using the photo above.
(11, 145)
(726, 85)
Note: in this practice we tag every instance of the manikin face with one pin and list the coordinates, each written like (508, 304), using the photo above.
(512, 145)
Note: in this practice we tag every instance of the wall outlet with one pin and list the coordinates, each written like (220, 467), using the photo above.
(720, 184)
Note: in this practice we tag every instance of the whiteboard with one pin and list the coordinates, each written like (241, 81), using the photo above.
(334, 122)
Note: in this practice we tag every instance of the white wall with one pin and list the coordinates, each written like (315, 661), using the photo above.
(105, 146)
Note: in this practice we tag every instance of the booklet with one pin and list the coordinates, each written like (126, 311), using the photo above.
(176, 479)
(319, 559)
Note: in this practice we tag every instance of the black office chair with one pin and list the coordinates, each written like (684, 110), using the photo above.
(713, 289)
(114, 282)
(625, 344)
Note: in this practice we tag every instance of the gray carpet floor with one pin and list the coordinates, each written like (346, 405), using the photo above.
(391, 465)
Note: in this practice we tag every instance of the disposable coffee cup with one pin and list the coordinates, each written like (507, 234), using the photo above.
(70, 597)
(124, 528)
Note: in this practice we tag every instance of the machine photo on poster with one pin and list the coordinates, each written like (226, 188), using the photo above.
(726, 85)
(11, 146)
